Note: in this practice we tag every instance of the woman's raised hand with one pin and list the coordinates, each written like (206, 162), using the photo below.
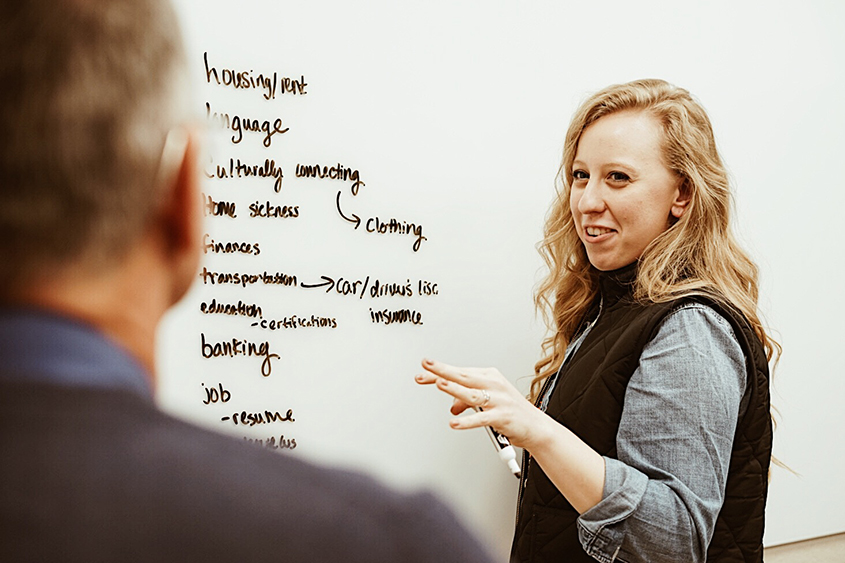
(503, 407)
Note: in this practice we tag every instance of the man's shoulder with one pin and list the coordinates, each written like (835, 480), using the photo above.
(164, 450)
(140, 476)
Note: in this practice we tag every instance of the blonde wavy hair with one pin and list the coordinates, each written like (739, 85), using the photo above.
(696, 255)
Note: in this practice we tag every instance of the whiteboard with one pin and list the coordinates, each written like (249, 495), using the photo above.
(447, 121)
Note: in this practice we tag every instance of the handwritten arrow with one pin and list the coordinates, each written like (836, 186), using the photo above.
(356, 220)
(328, 282)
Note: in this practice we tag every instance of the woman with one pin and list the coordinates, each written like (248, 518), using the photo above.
(647, 436)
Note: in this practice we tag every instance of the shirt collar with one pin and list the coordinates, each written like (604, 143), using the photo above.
(41, 347)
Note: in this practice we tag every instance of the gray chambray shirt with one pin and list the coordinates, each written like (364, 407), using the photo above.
(663, 493)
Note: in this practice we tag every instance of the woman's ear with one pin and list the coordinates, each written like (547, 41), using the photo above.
(683, 195)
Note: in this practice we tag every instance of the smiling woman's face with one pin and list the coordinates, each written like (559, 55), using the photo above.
(622, 195)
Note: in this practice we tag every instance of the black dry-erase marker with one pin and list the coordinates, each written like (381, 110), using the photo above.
(506, 452)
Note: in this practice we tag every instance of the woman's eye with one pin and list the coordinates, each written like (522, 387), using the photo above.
(580, 175)
(618, 177)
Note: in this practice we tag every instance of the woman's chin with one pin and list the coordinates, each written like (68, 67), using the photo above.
(608, 263)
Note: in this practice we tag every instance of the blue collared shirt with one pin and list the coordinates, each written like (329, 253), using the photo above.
(663, 493)
(42, 347)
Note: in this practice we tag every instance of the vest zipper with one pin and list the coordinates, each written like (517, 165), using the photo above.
(526, 458)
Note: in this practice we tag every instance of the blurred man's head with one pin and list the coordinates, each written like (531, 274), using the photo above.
(89, 90)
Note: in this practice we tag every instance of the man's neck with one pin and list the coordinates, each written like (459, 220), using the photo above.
(125, 303)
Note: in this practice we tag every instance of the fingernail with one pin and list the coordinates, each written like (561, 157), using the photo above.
(419, 377)
(428, 362)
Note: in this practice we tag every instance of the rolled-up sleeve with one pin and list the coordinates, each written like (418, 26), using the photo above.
(663, 493)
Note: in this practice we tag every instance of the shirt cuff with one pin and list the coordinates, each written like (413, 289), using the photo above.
(624, 487)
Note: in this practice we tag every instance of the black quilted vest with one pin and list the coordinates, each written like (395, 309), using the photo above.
(588, 399)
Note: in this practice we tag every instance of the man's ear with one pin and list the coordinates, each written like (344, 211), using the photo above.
(181, 211)
(682, 198)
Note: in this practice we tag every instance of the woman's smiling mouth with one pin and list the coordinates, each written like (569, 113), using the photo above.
(596, 232)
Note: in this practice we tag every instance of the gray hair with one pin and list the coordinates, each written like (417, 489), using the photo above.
(88, 92)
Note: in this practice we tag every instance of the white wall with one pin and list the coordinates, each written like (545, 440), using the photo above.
(454, 114)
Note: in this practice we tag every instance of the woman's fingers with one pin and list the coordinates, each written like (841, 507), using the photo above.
(471, 387)
(425, 378)
(504, 407)
(479, 378)
(468, 377)
(438, 370)
(464, 397)
(461, 394)
(458, 407)
(468, 396)
(475, 387)
(474, 420)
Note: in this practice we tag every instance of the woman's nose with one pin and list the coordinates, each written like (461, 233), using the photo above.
(591, 200)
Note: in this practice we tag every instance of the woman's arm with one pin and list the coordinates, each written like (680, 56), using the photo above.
(659, 501)
(576, 469)
(664, 492)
